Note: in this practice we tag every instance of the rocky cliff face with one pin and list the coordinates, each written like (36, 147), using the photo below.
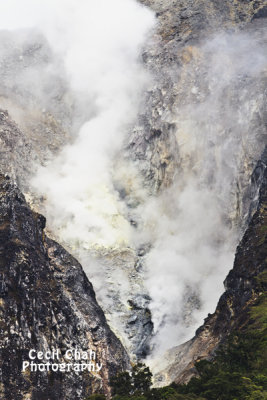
(38, 97)
(201, 129)
(242, 289)
(47, 303)
(200, 134)
(184, 170)
(194, 74)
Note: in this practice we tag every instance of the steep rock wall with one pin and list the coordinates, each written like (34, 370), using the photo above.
(47, 303)
(242, 289)
(183, 124)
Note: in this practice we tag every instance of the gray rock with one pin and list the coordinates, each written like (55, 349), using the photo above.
(46, 303)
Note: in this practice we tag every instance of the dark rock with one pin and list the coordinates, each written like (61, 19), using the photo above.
(261, 13)
(46, 303)
(241, 292)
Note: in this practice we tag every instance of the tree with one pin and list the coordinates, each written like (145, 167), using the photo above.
(137, 382)
(122, 384)
(141, 378)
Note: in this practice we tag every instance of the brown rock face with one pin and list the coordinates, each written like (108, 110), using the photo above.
(47, 303)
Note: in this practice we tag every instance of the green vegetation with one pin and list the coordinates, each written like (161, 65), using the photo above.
(238, 372)
(96, 397)
(135, 384)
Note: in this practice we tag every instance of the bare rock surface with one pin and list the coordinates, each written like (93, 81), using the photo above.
(47, 303)
(241, 291)
(203, 117)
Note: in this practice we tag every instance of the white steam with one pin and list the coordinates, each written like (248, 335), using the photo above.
(188, 225)
(221, 134)
(100, 42)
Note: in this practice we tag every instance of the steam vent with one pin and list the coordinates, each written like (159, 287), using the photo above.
(133, 200)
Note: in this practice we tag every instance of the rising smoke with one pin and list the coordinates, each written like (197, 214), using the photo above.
(100, 42)
(96, 46)
(191, 226)
(196, 223)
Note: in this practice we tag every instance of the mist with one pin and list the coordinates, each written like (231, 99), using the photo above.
(100, 44)
(191, 227)
(94, 48)
(196, 223)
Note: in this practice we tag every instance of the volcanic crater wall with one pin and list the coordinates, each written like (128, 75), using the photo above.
(47, 303)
